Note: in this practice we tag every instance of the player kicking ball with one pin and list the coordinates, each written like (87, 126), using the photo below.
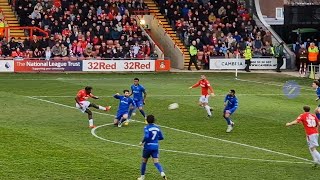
(231, 105)
(204, 98)
(123, 109)
(150, 143)
(311, 124)
(83, 105)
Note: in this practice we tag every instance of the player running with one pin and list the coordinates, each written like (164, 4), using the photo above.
(124, 104)
(311, 124)
(150, 143)
(82, 103)
(315, 85)
(204, 99)
(231, 105)
(137, 90)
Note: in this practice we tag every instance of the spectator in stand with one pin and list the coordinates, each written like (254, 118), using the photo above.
(154, 55)
(56, 50)
(229, 54)
(74, 19)
(6, 50)
(48, 53)
(37, 53)
(136, 49)
(64, 50)
(257, 46)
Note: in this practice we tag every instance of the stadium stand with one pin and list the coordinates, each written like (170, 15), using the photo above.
(99, 29)
(221, 28)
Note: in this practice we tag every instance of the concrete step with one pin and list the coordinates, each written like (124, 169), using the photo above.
(9, 15)
(16, 31)
(13, 21)
(10, 18)
(5, 6)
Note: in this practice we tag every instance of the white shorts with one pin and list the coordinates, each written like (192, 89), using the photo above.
(85, 105)
(313, 140)
(204, 99)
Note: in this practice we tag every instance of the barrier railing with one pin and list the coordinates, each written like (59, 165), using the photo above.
(31, 29)
(148, 12)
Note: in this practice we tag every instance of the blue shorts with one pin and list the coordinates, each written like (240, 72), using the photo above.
(146, 153)
(231, 112)
(139, 103)
(120, 114)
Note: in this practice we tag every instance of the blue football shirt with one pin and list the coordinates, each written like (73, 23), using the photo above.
(152, 135)
(138, 92)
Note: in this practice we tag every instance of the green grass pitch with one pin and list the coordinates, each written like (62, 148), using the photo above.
(44, 137)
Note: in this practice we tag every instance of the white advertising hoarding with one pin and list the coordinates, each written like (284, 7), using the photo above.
(118, 65)
(256, 63)
(6, 66)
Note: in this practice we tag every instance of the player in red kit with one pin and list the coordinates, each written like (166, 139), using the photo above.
(83, 105)
(311, 125)
(205, 88)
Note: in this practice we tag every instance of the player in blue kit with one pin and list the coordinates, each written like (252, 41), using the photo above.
(231, 105)
(123, 109)
(316, 85)
(150, 143)
(139, 97)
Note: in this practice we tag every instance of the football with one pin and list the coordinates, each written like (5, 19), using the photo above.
(173, 106)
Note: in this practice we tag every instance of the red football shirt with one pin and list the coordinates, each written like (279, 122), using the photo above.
(82, 95)
(310, 123)
(205, 86)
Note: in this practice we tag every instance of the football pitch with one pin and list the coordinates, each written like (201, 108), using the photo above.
(43, 136)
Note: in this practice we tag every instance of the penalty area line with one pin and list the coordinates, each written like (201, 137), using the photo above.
(187, 132)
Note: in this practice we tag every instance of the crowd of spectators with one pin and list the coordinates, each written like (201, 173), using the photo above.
(220, 27)
(82, 29)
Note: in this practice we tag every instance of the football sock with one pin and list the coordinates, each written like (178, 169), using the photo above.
(142, 112)
(143, 168)
(90, 122)
(158, 166)
(313, 156)
(207, 107)
(316, 154)
(130, 113)
(318, 115)
(228, 120)
(102, 108)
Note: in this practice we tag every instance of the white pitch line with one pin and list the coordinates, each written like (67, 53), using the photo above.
(191, 153)
(187, 132)
(271, 84)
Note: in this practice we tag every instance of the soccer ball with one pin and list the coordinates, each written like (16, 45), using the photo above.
(173, 106)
